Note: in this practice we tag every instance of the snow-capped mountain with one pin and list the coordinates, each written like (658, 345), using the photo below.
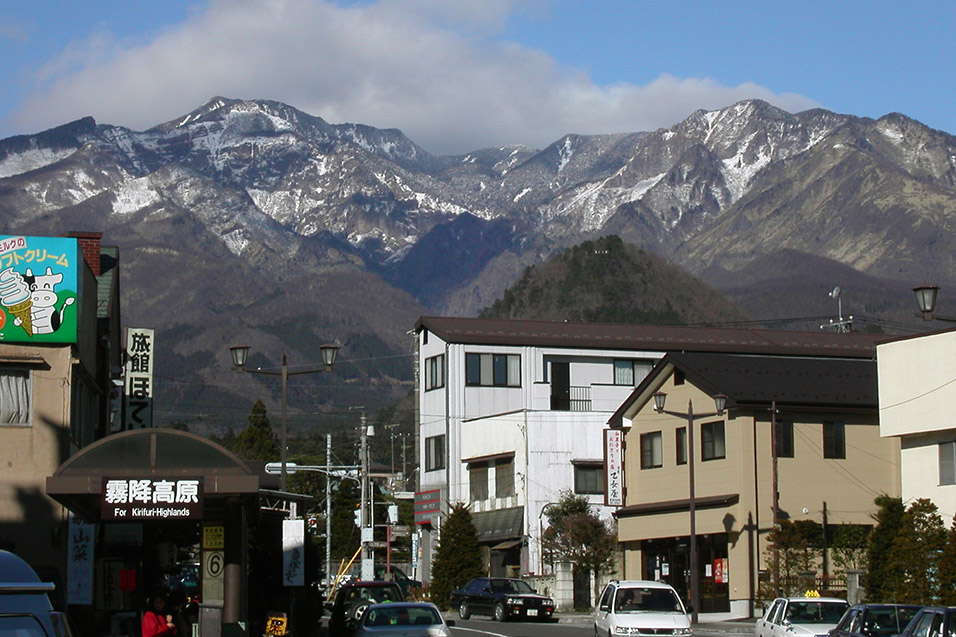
(256, 208)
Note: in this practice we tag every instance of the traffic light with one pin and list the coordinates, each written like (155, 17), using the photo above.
(358, 517)
(313, 522)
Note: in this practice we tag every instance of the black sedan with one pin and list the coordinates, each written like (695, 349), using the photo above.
(932, 620)
(501, 598)
(874, 620)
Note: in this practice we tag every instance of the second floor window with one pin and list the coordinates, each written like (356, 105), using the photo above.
(435, 372)
(589, 479)
(15, 397)
(434, 453)
(834, 440)
(682, 445)
(478, 481)
(504, 478)
(712, 441)
(652, 454)
(493, 370)
(783, 435)
(947, 463)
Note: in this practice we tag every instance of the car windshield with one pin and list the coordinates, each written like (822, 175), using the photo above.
(887, 621)
(815, 612)
(401, 615)
(510, 586)
(374, 594)
(637, 600)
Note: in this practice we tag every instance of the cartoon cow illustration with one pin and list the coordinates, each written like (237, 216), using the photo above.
(46, 319)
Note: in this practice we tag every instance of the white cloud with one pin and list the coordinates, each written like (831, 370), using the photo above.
(431, 68)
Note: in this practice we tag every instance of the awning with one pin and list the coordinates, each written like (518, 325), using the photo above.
(676, 506)
(500, 525)
(504, 546)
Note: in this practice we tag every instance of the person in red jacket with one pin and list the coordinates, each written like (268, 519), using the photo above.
(155, 622)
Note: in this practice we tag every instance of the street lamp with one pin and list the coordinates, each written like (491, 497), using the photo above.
(926, 300)
(239, 355)
(720, 401)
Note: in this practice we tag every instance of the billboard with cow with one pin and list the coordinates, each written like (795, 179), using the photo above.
(38, 289)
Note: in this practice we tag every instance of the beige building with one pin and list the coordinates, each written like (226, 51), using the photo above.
(805, 423)
(54, 400)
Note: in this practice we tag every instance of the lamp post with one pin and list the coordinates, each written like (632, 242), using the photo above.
(720, 402)
(239, 355)
(926, 300)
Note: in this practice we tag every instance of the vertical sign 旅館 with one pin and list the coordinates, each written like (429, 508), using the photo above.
(138, 389)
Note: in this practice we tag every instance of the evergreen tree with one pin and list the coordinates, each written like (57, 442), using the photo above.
(257, 441)
(577, 535)
(947, 569)
(788, 554)
(457, 558)
(913, 559)
(888, 518)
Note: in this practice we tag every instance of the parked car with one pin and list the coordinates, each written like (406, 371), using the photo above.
(25, 608)
(801, 617)
(405, 619)
(874, 620)
(633, 607)
(353, 599)
(502, 598)
(932, 621)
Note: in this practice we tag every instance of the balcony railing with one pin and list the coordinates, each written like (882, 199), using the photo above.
(578, 398)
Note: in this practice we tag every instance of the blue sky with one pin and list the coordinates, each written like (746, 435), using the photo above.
(457, 75)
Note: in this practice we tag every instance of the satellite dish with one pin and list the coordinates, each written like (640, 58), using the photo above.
(835, 293)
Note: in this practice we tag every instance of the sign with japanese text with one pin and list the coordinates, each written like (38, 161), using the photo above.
(613, 467)
(138, 389)
(293, 552)
(213, 537)
(79, 562)
(427, 506)
(39, 286)
(720, 570)
(148, 499)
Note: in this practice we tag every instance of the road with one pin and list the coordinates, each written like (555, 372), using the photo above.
(576, 626)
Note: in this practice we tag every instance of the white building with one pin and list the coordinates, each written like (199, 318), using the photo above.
(512, 413)
(917, 394)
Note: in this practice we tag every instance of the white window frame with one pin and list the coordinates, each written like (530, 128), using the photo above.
(947, 463)
(435, 452)
(435, 372)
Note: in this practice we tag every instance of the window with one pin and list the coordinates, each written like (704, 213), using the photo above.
(783, 435)
(15, 394)
(682, 445)
(589, 478)
(631, 372)
(504, 478)
(493, 370)
(712, 441)
(478, 481)
(651, 452)
(947, 463)
(435, 453)
(834, 440)
(435, 372)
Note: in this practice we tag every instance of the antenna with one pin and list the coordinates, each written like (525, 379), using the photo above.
(841, 325)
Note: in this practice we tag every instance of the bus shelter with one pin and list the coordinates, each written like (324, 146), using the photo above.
(147, 507)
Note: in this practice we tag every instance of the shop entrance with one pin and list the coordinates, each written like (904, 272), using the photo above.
(668, 560)
(155, 509)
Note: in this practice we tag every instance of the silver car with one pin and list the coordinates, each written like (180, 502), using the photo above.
(403, 619)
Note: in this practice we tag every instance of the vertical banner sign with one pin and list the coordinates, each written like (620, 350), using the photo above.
(293, 552)
(79, 562)
(39, 286)
(613, 467)
(138, 391)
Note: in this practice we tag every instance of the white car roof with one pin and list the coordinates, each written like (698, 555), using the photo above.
(641, 583)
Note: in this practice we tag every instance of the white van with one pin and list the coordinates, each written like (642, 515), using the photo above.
(640, 607)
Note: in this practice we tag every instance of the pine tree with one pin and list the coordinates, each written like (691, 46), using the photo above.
(257, 441)
(458, 558)
(888, 518)
(913, 559)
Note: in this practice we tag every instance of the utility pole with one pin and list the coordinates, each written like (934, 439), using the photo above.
(328, 511)
(368, 563)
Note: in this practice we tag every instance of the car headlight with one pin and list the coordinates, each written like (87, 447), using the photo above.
(683, 631)
(517, 601)
(548, 601)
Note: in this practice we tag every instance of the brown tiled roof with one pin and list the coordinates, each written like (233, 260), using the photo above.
(662, 338)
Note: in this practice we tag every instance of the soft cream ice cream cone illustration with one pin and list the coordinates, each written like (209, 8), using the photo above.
(15, 298)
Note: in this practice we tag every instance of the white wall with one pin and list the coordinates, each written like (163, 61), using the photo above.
(917, 386)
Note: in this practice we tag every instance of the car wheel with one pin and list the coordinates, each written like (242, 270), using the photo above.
(463, 611)
(358, 611)
(500, 614)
